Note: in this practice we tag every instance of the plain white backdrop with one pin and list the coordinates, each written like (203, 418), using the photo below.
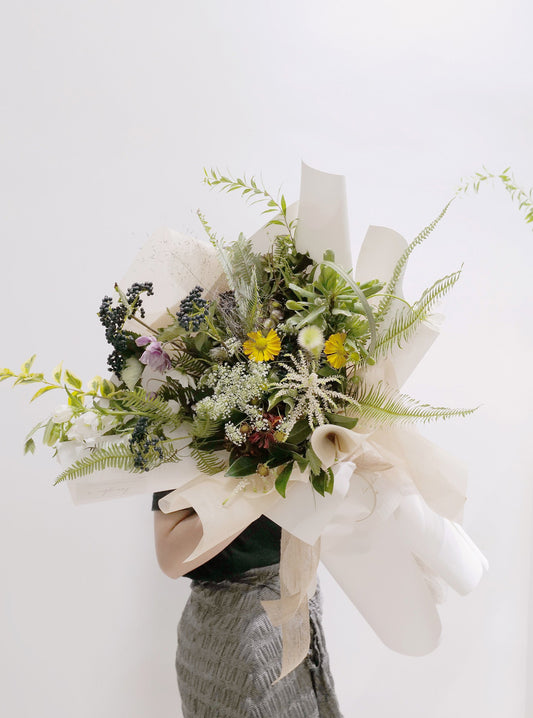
(109, 112)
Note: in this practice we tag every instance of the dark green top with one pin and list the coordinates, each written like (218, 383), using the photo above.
(258, 545)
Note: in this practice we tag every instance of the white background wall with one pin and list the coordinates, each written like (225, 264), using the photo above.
(109, 112)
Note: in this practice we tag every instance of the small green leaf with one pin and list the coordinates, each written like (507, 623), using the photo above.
(319, 482)
(29, 446)
(243, 466)
(42, 391)
(107, 387)
(300, 432)
(131, 372)
(56, 373)
(25, 368)
(314, 461)
(283, 478)
(330, 481)
(72, 379)
(171, 332)
(51, 433)
(94, 384)
(348, 422)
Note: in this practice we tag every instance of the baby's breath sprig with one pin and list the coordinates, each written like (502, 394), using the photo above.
(249, 190)
(524, 199)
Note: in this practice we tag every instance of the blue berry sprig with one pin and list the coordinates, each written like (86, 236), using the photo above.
(192, 310)
(113, 319)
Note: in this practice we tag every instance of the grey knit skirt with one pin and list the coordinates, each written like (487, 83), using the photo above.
(229, 654)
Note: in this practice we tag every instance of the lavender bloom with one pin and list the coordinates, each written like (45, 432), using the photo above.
(154, 355)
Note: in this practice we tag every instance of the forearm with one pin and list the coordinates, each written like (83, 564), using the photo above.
(177, 539)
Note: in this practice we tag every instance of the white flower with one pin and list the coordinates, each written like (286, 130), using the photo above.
(62, 413)
(88, 426)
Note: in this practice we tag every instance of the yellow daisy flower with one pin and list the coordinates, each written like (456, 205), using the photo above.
(336, 354)
(260, 348)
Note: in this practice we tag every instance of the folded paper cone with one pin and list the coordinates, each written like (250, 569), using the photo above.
(441, 544)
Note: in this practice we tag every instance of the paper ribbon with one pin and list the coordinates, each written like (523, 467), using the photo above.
(297, 574)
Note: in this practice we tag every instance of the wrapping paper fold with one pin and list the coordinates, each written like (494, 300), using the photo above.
(391, 530)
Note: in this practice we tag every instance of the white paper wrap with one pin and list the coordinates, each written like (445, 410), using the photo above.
(391, 530)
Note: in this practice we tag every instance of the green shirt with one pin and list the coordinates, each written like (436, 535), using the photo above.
(258, 545)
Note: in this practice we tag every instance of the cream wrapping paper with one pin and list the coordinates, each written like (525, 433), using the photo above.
(391, 529)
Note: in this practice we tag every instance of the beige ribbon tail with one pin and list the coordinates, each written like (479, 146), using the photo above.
(297, 573)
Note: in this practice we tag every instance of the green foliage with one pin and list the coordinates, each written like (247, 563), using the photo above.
(323, 481)
(204, 427)
(381, 404)
(253, 194)
(524, 199)
(362, 298)
(243, 466)
(138, 402)
(245, 276)
(385, 304)
(283, 478)
(115, 456)
(406, 322)
(131, 372)
(207, 462)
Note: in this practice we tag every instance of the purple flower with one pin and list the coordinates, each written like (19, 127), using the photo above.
(154, 355)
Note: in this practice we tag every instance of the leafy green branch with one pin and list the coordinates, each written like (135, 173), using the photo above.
(253, 193)
(25, 376)
(524, 199)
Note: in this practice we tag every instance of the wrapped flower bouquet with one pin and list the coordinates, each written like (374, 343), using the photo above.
(263, 376)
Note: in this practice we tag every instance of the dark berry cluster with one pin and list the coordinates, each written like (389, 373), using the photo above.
(113, 319)
(134, 292)
(192, 310)
(141, 444)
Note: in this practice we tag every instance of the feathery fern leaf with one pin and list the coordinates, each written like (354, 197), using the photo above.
(204, 426)
(115, 456)
(207, 462)
(139, 402)
(249, 302)
(382, 404)
(194, 366)
(407, 321)
(390, 288)
(244, 259)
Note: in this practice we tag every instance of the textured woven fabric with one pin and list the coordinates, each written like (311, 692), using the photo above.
(229, 654)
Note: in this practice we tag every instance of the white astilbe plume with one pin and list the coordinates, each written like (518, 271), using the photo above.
(313, 397)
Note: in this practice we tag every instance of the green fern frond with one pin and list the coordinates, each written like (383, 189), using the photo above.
(249, 302)
(194, 366)
(115, 456)
(282, 247)
(207, 228)
(244, 259)
(140, 403)
(385, 304)
(407, 321)
(381, 404)
(204, 426)
(207, 462)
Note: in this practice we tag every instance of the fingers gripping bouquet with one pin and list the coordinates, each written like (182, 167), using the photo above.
(263, 376)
